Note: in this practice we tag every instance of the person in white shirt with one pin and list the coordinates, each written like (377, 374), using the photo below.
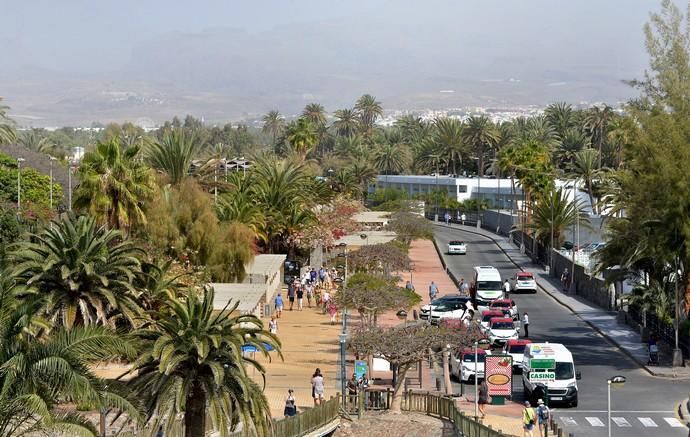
(506, 288)
(525, 324)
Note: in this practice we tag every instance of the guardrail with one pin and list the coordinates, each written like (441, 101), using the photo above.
(445, 408)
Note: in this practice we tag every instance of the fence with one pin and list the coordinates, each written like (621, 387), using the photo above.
(305, 422)
(444, 407)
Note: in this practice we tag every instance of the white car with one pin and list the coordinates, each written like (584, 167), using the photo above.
(462, 364)
(425, 310)
(524, 282)
(449, 309)
(501, 329)
(456, 247)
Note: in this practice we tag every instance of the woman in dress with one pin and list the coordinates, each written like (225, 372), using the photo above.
(483, 397)
(317, 387)
(273, 325)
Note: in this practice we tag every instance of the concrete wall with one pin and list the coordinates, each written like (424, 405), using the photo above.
(501, 223)
(591, 288)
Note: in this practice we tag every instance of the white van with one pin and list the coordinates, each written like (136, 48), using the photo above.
(549, 367)
(486, 283)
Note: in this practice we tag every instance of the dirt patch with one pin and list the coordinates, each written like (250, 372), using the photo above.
(385, 424)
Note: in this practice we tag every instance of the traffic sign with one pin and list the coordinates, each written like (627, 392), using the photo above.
(542, 363)
(542, 376)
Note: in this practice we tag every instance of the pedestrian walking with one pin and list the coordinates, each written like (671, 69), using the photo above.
(333, 311)
(291, 294)
(300, 298)
(352, 388)
(322, 276)
(290, 405)
(543, 416)
(160, 431)
(313, 275)
(506, 288)
(279, 305)
(463, 217)
(409, 285)
(528, 417)
(433, 291)
(525, 324)
(564, 279)
(310, 293)
(446, 216)
(317, 387)
(464, 287)
(273, 325)
(483, 397)
(325, 300)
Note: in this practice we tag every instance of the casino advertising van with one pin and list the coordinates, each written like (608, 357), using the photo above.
(548, 371)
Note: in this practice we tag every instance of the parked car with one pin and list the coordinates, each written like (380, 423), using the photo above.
(501, 329)
(425, 310)
(462, 364)
(524, 282)
(516, 349)
(487, 316)
(505, 304)
(450, 309)
(456, 247)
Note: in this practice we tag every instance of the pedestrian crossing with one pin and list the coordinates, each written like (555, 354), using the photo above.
(617, 421)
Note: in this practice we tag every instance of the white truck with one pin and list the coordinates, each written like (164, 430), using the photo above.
(548, 371)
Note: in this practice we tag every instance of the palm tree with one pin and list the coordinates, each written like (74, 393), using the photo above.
(173, 155)
(368, 110)
(353, 147)
(481, 134)
(572, 141)
(114, 185)
(82, 271)
(449, 140)
(315, 113)
(7, 133)
(42, 367)
(584, 167)
(597, 123)
(302, 137)
(553, 213)
(390, 158)
(274, 125)
(346, 122)
(32, 139)
(560, 116)
(362, 172)
(192, 364)
(623, 132)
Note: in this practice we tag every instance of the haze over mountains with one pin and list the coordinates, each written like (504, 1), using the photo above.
(75, 62)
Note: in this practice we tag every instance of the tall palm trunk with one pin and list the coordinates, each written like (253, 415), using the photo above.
(195, 413)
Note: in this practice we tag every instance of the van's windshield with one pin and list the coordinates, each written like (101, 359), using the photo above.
(565, 371)
(489, 285)
(502, 325)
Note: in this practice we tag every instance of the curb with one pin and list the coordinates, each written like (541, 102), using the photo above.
(596, 328)
(445, 266)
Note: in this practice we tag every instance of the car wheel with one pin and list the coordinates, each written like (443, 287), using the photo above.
(574, 403)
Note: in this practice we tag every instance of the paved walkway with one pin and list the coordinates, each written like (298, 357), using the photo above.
(603, 321)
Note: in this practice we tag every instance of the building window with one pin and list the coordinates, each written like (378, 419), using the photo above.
(462, 188)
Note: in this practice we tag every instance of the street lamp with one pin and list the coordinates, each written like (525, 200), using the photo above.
(412, 266)
(364, 237)
(19, 183)
(615, 382)
(343, 334)
(51, 158)
(215, 184)
(69, 184)
(476, 383)
(479, 191)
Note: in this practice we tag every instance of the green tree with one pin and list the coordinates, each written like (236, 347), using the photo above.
(302, 137)
(449, 140)
(315, 113)
(173, 154)
(274, 125)
(192, 364)
(553, 213)
(7, 132)
(82, 271)
(481, 134)
(368, 109)
(560, 115)
(346, 122)
(114, 184)
(597, 123)
(390, 158)
(584, 167)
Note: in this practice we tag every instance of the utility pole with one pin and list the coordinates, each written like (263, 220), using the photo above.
(19, 183)
(51, 158)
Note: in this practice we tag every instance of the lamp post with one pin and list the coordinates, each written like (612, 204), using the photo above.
(69, 185)
(365, 237)
(51, 158)
(479, 190)
(19, 183)
(215, 184)
(576, 230)
(677, 360)
(476, 383)
(412, 266)
(343, 334)
(615, 382)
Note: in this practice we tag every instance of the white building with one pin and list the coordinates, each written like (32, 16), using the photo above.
(498, 192)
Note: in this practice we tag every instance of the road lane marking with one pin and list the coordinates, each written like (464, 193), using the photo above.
(569, 421)
(675, 423)
(594, 421)
(621, 422)
(648, 422)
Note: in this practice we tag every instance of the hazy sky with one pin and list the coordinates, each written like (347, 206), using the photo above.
(63, 59)
(89, 35)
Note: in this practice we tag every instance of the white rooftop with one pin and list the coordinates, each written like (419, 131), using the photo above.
(265, 264)
(249, 296)
(372, 217)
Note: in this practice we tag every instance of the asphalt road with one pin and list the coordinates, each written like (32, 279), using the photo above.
(643, 407)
